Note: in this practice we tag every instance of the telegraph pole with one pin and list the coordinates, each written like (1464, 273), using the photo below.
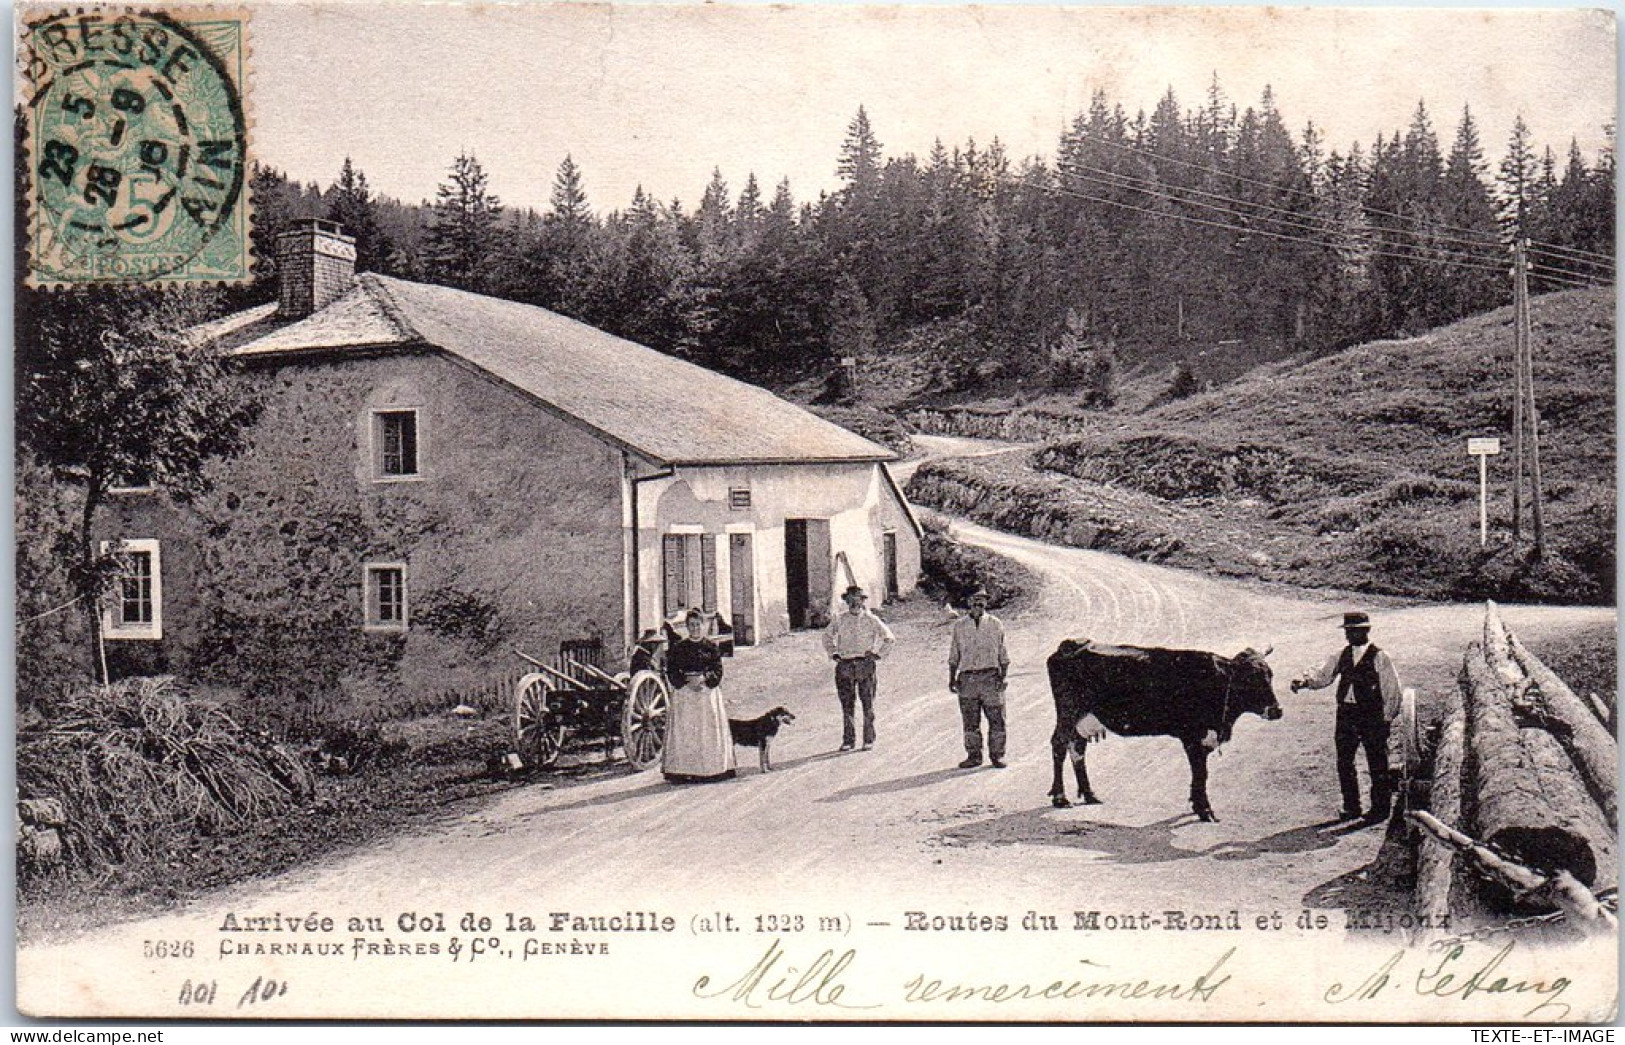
(1518, 287)
(1526, 415)
(1531, 411)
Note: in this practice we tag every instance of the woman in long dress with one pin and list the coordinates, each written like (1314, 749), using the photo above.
(698, 745)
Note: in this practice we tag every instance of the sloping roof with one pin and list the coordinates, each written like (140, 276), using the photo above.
(666, 409)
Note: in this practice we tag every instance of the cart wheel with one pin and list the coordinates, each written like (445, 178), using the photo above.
(643, 722)
(538, 733)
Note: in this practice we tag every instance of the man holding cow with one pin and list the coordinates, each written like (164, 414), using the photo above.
(1368, 699)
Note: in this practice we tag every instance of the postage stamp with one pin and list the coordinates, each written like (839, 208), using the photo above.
(138, 145)
(734, 513)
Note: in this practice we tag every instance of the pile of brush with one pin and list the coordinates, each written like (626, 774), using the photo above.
(142, 766)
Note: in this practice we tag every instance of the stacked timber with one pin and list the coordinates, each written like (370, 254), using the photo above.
(1589, 743)
(1532, 791)
(1441, 893)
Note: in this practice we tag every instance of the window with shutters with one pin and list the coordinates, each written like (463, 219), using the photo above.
(688, 570)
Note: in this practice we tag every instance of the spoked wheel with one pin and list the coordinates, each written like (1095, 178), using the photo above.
(538, 732)
(643, 722)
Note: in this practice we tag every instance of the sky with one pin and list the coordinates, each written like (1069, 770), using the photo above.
(660, 95)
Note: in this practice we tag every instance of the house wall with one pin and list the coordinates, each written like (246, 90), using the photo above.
(511, 537)
(856, 499)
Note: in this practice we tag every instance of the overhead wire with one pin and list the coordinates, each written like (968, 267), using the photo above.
(1364, 248)
(1580, 255)
(1312, 225)
(1476, 238)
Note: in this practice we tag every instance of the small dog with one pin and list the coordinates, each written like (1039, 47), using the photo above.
(759, 732)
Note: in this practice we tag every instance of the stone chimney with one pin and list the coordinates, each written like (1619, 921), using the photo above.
(316, 266)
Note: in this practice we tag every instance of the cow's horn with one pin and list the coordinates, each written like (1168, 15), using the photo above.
(1268, 650)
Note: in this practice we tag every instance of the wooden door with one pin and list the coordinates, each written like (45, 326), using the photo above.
(673, 573)
(742, 588)
(820, 573)
(888, 551)
(795, 571)
(708, 572)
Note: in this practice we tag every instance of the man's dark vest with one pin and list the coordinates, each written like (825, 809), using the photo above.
(1362, 678)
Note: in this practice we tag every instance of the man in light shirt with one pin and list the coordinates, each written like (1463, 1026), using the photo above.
(1368, 699)
(856, 640)
(977, 664)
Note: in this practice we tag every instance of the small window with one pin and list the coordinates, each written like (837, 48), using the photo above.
(738, 497)
(386, 597)
(135, 608)
(395, 443)
(130, 484)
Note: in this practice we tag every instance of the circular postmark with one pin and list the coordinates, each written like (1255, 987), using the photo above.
(138, 144)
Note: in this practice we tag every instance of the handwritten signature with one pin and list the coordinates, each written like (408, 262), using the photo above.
(1452, 977)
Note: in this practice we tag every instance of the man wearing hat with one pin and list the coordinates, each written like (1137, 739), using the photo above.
(856, 640)
(977, 664)
(1368, 699)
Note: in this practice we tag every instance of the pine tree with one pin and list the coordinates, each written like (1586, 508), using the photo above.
(565, 274)
(1518, 174)
(749, 213)
(712, 222)
(461, 248)
(859, 165)
(350, 203)
(1469, 211)
(567, 205)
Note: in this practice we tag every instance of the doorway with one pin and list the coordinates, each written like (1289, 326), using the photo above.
(742, 588)
(808, 572)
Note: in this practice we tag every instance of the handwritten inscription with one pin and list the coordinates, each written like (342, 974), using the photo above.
(1105, 984)
(774, 978)
(778, 977)
(796, 967)
(1448, 975)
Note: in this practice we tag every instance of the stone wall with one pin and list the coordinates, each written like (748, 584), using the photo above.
(510, 536)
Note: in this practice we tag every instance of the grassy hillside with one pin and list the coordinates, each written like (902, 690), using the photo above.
(1410, 405)
(1348, 471)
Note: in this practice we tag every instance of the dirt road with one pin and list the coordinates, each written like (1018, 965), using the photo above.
(873, 833)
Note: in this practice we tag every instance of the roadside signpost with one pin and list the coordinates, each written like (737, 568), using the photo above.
(1483, 449)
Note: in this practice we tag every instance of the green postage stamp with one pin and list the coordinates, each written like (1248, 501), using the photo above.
(137, 145)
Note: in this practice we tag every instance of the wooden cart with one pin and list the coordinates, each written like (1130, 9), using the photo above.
(574, 701)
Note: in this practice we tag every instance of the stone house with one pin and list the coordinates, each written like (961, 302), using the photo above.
(439, 477)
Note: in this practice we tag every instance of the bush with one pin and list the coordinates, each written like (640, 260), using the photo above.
(950, 571)
(1177, 466)
(877, 426)
(141, 765)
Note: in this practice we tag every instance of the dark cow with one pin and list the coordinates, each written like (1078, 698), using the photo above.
(1193, 696)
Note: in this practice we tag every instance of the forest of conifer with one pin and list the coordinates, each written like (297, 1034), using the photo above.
(1184, 226)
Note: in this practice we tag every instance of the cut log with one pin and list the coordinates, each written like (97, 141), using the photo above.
(1498, 652)
(1559, 890)
(1439, 895)
(1604, 716)
(1593, 749)
(1525, 797)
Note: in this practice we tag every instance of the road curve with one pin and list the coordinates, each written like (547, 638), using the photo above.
(900, 826)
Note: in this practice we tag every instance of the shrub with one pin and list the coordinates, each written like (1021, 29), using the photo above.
(951, 571)
(1177, 466)
(142, 764)
(877, 426)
